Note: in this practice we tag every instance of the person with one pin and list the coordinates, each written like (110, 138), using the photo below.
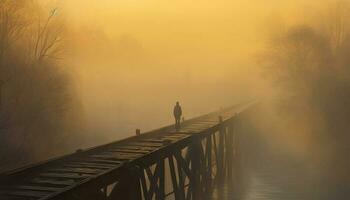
(177, 115)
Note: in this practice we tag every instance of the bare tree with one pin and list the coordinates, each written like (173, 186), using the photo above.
(47, 38)
(296, 58)
(35, 92)
(338, 23)
(11, 27)
(37, 40)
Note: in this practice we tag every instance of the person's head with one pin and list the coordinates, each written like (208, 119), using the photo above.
(177, 103)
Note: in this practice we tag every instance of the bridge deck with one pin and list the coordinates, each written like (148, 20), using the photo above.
(50, 179)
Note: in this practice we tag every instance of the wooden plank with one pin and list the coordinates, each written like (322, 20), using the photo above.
(115, 155)
(153, 140)
(211, 123)
(174, 136)
(76, 170)
(164, 142)
(9, 197)
(37, 188)
(64, 175)
(25, 193)
(175, 139)
(142, 152)
(178, 135)
(110, 162)
(144, 144)
(196, 127)
(136, 147)
(89, 165)
(191, 131)
(120, 158)
(210, 119)
(200, 125)
(45, 181)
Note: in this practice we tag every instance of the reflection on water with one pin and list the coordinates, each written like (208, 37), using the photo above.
(264, 176)
(265, 171)
(265, 180)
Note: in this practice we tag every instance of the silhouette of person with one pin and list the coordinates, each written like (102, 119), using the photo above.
(177, 115)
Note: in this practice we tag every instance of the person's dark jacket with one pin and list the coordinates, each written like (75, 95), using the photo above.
(177, 111)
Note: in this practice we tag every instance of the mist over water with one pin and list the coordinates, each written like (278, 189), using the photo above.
(134, 64)
(122, 65)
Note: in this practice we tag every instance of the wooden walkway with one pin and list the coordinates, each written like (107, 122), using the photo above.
(51, 179)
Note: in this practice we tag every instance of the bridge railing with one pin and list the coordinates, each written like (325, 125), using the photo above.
(161, 164)
(183, 170)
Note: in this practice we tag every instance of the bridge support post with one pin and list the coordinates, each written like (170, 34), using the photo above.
(209, 163)
(196, 169)
(128, 186)
(221, 151)
(160, 194)
(230, 150)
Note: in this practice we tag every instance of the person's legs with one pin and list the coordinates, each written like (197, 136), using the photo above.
(176, 127)
(177, 123)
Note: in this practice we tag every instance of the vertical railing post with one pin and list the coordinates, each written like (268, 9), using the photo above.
(138, 132)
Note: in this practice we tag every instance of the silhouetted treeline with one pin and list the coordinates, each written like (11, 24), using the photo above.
(310, 64)
(37, 101)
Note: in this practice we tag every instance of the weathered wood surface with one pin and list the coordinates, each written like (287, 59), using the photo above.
(94, 168)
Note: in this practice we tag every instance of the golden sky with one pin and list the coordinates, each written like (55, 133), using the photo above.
(187, 27)
(134, 58)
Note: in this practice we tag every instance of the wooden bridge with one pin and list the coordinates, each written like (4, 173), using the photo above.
(161, 164)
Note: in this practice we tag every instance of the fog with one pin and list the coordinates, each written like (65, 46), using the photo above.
(125, 63)
(134, 59)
